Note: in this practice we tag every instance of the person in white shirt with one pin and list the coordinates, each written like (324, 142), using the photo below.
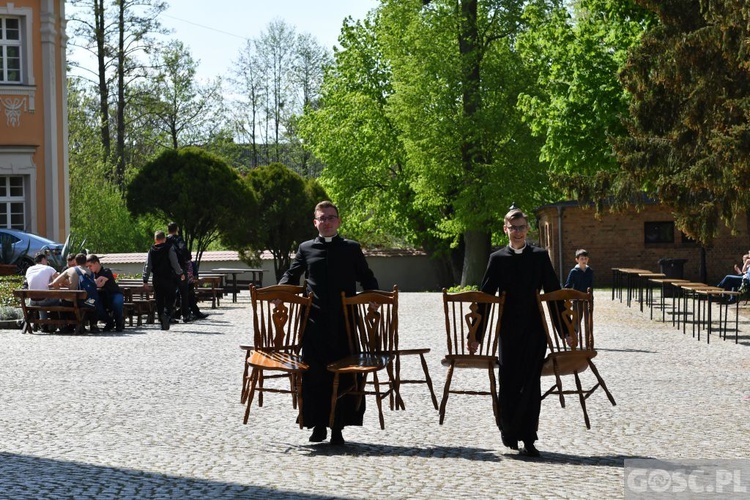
(38, 277)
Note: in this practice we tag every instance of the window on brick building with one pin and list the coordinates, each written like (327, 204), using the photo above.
(658, 232)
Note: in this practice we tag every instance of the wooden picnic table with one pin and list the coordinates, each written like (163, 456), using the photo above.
(255, 279)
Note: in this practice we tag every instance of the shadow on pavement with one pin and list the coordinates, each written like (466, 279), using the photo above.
(378, 450)
(26, 476)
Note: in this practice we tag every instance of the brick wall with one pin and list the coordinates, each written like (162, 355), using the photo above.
(618, 240)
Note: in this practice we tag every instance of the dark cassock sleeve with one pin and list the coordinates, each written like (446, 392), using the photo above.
(296, 269)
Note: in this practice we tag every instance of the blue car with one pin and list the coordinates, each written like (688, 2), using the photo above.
(19, 247)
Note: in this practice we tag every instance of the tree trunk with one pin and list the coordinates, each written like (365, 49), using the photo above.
(99, 35)
(477, 241)
(120, 144)
(475, 257)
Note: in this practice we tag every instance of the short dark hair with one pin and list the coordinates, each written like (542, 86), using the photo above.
(325, 204)
(159, 235)
(582, 253)
(39, 257)
(172, 227)
(71, 256)
(80, 259)
(92, 258)
(515, 213)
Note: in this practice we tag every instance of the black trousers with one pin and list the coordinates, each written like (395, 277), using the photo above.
(164, 294)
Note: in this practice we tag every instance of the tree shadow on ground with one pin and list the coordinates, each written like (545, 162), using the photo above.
(24, 476)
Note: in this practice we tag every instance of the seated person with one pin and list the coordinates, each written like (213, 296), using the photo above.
(109, 293)
(72, 277)
(733, 282)
(38, 277)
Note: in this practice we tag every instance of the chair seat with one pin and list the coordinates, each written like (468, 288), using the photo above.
(360, 363)
(282, 361)
(468, 361)
(568, 362)
(409, 352)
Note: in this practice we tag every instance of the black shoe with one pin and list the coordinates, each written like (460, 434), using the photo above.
(109, 326)
(173, 320)
(200, 315)
(94, 329)
(337, 438)
(188, 318)
(319, 434)
(529, 450)
(510, 443)
(164, 319)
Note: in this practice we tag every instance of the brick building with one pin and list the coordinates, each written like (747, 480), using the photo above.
(632, 239)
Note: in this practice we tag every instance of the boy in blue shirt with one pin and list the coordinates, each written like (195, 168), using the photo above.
(581, 277)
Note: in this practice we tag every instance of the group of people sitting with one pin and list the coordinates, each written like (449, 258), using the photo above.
(104, 295)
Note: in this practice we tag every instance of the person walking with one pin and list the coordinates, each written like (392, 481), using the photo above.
(162, 262)
(331, 265)
(520, 270)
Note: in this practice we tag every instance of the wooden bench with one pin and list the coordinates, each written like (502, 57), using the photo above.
(138, 302)
(209, 288)
(68, 313)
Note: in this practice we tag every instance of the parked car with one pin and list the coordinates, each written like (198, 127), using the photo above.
(27, 245)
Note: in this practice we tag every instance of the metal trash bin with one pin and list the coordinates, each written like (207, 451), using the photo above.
(672, 268)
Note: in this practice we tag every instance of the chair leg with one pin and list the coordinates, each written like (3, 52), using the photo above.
(378, 399)
(582, 399)
(334, 398)
(396, 387)
(245, 381)
(251, 393)
(428, 380)
(293, 389)
(260, 387)
(601, 382)
(558, 383)
(446, 391)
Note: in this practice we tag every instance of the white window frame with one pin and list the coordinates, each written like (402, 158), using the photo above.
(9, 200)
(27, 86)
(6, 44)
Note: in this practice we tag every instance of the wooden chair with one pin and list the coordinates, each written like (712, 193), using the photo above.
(568, 314)
(280, 315)
(372, 333)
(469, 317)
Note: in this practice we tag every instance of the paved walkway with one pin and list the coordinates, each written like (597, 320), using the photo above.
(155, 414)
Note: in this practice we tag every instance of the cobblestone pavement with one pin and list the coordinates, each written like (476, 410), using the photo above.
(155, 414)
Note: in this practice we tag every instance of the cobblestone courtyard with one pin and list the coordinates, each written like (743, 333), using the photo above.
(155, 414)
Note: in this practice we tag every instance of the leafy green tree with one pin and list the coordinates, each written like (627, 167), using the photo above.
(97, 210)
(427, 135)
(115, 33)
(577, 50)
(284, 214)
(182, 110)
(195, 189)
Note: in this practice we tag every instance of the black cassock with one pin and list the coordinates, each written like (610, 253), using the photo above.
(523, 342)
(330, 268)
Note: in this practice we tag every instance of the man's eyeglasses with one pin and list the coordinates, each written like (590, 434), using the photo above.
(326, 218)
(519, 227)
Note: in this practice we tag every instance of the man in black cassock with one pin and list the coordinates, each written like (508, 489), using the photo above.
(520, 270)
(331, 265)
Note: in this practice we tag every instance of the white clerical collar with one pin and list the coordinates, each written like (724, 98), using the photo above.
(518, 250)
(328, 239)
